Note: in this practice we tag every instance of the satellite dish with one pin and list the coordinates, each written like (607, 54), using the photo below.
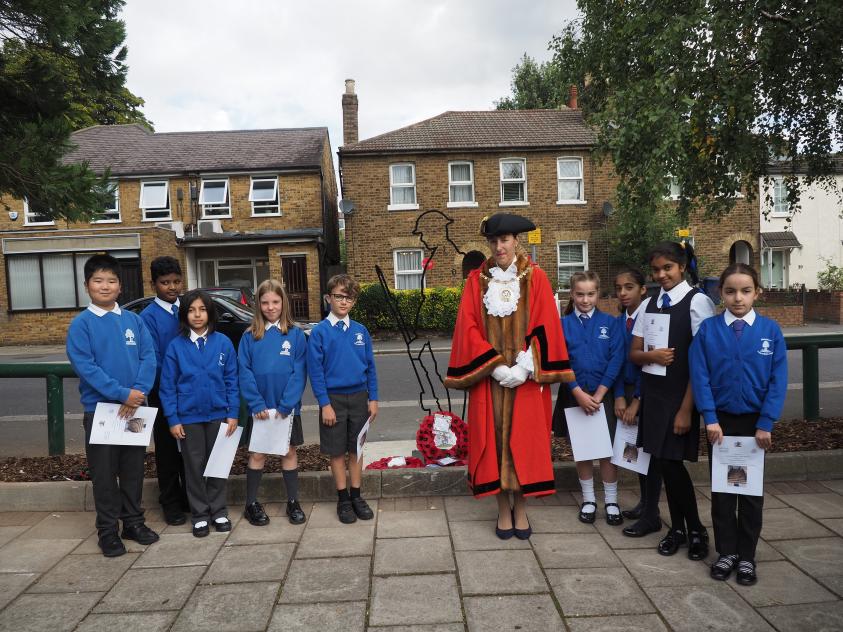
(608, 209)
(347, 207)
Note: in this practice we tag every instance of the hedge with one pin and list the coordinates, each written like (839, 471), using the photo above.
(438, 312)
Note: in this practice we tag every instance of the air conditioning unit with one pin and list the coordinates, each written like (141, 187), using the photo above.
(176, 227)
(208, 227)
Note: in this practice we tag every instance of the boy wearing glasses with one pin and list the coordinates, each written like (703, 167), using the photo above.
(341, 367)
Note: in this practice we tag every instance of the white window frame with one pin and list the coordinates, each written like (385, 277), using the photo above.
(778, 184)
(27, 215)
(560, 179)
(114, 210)
(472, 203)
(397, 273)
(147, 210)
(403, 207)
(215, 211)
(568, 264)
(672, 182)
(262, 204)
(522, 180)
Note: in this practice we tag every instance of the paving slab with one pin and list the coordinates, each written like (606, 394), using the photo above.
(556, 519)
(479, 535)
(573, 550)
(7, 534)
(628, 623)
(461, 508)
(89, 545)
(597, 591)
(617, 540)
(820, 557)
(835, 524)
(415, 599)
(818, 505)
(56, 613)
(412, 524)
(72, 525)
(819, 617)
(84, 573)
(525, 613)
(250, 563)
(13, 584)
(712, 607)
(146, 589)
(408, 556)
(325, 617)
(21, 518)
(181, 549)
(327, 580)
(436, 627)
(415, 503)
(834, 485)
(651, 569)
(788, 524)
(146, 621)
(781, 583)
(500, 572)
(336, 542)
(279, 510)
(25, 556)
(229, 607)
(833, 583)
(278, 530)
(324, 515)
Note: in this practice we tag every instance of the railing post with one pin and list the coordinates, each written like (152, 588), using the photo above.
(55, 414)
(811, 383)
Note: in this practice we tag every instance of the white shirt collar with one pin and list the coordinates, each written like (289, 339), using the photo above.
(194, 336)
(676, 293)
(167, 307)
(505, 275)
(749, 319)
(634, 314)
(589, 313)
(269, 326)
(99, 311)
(334, 320)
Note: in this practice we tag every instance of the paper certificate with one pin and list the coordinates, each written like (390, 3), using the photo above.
(656, 330)
(222, 456)
(589, 434)
(626, 453)
(737, 467)
(108, 428)
(271, 436)
(361, 438)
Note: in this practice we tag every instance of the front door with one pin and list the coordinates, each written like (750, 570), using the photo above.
(294, 271)
(131, 281)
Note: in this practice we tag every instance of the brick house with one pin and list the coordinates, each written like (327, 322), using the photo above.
(235, 207)
(538, 163)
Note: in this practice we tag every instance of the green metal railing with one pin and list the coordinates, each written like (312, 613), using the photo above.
(55, 372)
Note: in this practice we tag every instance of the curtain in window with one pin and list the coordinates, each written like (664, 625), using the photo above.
(461, 173)
(461, 193)
(81, 293)
(408, 261)
(404, 195)
(59, 290)
(570, 189)
(402, 174)
(24, 282)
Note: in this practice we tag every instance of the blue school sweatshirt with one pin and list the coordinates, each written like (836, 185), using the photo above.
(163, 327)
(341, 361)
(595, 350)
(739, 376)
(111, 354)
(198, 386)
(630, 372)
(273, 370)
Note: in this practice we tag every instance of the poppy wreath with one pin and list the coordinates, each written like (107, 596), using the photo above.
(383, 464)
(427, 446)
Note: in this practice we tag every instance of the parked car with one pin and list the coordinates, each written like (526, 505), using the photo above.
(242, 295)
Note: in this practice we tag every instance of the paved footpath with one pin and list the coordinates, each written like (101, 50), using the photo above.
(428, 564)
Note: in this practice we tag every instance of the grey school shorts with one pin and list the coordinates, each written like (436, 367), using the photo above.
(352, 412)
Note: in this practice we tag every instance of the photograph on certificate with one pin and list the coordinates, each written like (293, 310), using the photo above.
(589, 434)
(222, 456)
(625, 452)
(656, 330)
(737, 467)
(109, 428)
(271, 435)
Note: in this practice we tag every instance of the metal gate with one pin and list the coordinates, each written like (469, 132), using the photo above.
(294, 270)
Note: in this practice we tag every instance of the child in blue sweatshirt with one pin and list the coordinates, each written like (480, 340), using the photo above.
(199, 392)
(739, 374)
(273, 371)
(161, 317)
(595, 349)
(341, 366)
(113, 355)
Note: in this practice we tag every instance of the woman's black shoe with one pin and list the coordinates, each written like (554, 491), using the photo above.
(588, 517)
(201, 532)
(634, 513)
(613, 519)
(746, 573)
(642, 528)
(671, 542)
(723, 567)
(697, 544)
(505, 534)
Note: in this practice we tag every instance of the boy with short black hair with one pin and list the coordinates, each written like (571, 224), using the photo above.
(341, 366)
(113, 355)
(161, 317)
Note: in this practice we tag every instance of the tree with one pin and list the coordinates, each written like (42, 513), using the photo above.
(61, 68)
(707, 91)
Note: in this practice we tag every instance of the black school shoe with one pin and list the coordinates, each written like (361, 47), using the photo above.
(345, 512)
(671, 542)
(222, 527)
(723, 567)
(295, 513)
(746, 573)
(588, 517)
(201, 532)
(174, 518)
(641, 528)
(256, 515)
(613, 520)
(362, 509)
(140, 533)
(111, 545)
(635, 513)
(697, 544)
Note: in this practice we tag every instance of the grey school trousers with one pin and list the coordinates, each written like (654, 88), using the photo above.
(206, 496)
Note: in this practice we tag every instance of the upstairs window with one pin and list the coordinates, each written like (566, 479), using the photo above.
(213, 197)
(513, 182)
(155, 200)
(461, 184)
(402, 187)
(569, 180)
(34, 215)
(263, 195)
(781, 207)
(110, 214)
(673, 189)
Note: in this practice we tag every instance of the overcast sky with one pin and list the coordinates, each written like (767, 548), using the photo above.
(214, 65)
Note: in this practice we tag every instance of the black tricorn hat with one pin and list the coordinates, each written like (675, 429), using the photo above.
(505, 224)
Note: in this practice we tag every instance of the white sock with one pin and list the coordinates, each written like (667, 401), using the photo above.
(587, 487)
(200, 524)
(611, 492)
(221, 520)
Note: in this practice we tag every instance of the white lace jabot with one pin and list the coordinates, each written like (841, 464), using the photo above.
(501, 299)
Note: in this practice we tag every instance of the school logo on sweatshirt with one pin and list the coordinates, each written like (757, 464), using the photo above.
(604, 333)
(222, 359)
(130, 338)
(358, 340)
(285, 348)
(765, 349)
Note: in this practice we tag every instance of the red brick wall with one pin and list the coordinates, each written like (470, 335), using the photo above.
(824, 306)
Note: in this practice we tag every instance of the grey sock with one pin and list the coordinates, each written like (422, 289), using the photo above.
(253, 481)
(291, 482)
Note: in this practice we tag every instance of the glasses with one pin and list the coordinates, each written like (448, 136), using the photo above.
(342, 298)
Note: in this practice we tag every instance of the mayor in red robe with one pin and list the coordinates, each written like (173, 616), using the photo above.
(507, 349)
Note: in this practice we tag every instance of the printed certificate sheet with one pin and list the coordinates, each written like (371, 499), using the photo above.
(589, 434)
(271, 436)
(656, 329)
(222, 456)
(108, 428)
(361, 438)
(737, 467)
(626, 453)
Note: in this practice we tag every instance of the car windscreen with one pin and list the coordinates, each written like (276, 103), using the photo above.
(242, 311)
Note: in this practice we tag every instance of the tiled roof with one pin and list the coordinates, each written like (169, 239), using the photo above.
(134, 150)
(780, 239)
(785, 167)
(489, 130)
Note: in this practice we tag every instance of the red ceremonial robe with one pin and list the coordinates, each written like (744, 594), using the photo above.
(509, 429)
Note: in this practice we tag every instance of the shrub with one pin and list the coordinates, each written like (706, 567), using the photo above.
(831, 278)
(438, 312)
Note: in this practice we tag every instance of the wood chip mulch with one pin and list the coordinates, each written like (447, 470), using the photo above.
(789, 436)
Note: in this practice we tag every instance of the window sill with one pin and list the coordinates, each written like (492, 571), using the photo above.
(514, 204)
(571, 202)
(169, 218)
(212, 217)
(462, 205)
(402, 207)
(273, 214)
(106, 221)
(41, 224)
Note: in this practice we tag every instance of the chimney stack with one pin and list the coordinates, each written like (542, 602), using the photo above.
(349, 114)
(572, 97)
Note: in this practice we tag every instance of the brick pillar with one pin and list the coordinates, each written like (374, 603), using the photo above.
(349, 114)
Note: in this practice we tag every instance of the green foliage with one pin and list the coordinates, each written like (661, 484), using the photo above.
(438, 313)
(534, 86)
(61, 68)
(831, 278)
(631, 234)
